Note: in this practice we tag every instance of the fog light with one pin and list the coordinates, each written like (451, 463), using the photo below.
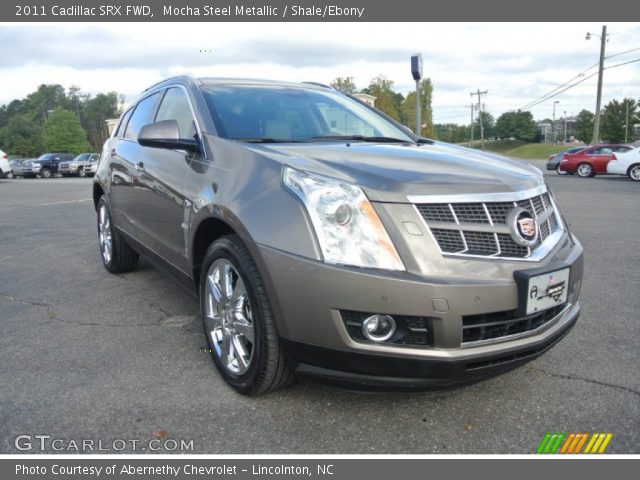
(378, 328)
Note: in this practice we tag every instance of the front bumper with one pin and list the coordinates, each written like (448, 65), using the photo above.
(308, 297)
(66, 170)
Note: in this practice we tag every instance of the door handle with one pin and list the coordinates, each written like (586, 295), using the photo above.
(140, 166)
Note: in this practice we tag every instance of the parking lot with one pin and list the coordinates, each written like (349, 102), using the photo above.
(89, 355)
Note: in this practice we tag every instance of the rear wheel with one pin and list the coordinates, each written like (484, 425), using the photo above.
(238, 321)
(560, 172)
(117, 256)
(585, 170)
(634, 172)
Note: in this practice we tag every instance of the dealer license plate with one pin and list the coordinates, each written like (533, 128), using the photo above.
(547, 290)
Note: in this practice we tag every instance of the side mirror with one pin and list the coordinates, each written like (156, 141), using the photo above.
(165, 134)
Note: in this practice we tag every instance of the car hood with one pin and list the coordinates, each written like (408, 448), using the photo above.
(391, 172)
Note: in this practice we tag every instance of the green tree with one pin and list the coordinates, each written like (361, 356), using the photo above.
(62, 133)
(344, 84)
(426, 110)
(21, 135)
(45, 99)
(451, 132)
(584, 126)
(613, 120)
(387, 99)
(94, 114)
(516, 124)
(488, 125)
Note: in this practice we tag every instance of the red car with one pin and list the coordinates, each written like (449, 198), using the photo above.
(592, 160)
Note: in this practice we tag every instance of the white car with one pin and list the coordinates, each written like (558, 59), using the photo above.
(627, 163)
(5, 168)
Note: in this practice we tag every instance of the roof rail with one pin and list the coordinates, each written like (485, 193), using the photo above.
(165, 80)
(318, 84)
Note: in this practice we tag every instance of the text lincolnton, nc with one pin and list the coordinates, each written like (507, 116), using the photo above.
(318, 12)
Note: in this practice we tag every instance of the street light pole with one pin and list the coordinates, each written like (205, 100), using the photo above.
(596, 122)
(554, 120)
(626, 122)
(565, 126)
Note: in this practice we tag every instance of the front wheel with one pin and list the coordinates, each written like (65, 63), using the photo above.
(46, 173)
(585, 170)
(117, 256)
(634, 172)
(81, 173)
(238, 320)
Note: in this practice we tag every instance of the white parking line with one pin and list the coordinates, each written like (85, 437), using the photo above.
(47, 204)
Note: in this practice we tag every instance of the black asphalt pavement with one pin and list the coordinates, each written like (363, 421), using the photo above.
(90, 356)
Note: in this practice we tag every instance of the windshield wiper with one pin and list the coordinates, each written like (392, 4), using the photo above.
(268, 140)
(361, 138)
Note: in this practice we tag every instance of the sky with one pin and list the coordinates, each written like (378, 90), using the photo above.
(516, 63)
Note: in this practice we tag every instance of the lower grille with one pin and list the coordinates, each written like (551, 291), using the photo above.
(411, 331)
(489, 326)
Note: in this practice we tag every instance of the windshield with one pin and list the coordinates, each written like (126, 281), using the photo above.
(284, 113)
(46, 156)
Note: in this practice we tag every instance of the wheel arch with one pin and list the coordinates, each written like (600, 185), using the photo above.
(636, 164)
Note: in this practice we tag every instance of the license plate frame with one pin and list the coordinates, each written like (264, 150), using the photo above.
(542, 288)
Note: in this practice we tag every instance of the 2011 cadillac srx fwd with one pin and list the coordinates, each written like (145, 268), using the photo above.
(324, 239)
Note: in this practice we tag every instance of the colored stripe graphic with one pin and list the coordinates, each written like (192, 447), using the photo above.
(551, 442)
(572, 443)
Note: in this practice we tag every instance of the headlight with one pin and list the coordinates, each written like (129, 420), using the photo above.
(73, 165)
(347, 227)
(36, 165)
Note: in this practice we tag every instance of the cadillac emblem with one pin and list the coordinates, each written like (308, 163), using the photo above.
(523, 226)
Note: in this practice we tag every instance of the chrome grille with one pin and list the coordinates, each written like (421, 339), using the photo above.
(480, 228)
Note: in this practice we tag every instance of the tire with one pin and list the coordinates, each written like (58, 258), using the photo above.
(561, 172)
(238, 320)
(81, 173)
(585, 170)
(117, 256)
(46, 173)
(634, 172)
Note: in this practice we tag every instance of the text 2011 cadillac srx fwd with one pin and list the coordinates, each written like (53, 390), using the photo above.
(325, 239)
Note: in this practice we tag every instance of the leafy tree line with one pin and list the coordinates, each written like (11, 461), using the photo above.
(394, 104)
(52, 120)
(613, 121)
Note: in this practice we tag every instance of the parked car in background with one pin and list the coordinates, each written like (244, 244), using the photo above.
(326, 239)
(45, 165)
(16, 169)
(5, 167)
(89, 168)
(553, 162)
(626, 163)
(76, 166)
(591, 161)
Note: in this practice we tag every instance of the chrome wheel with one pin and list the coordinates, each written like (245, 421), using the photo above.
(104, 234)
(585, 170)
(46, 173)
(634, 173)
(228, 317)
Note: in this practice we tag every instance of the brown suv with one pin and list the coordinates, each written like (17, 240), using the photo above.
(323, 238)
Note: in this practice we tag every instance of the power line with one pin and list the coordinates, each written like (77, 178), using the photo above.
(580, 81)
(549, 95)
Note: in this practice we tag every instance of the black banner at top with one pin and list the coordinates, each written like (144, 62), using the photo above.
(312, 11)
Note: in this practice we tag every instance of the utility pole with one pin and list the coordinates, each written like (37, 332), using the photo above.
(471, 121)
(554, 121)
(565, 126)
(626, 122)
(479, 94)
(596, 122)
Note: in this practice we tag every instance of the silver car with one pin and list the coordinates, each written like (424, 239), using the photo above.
(324, 239)
(77, 165)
